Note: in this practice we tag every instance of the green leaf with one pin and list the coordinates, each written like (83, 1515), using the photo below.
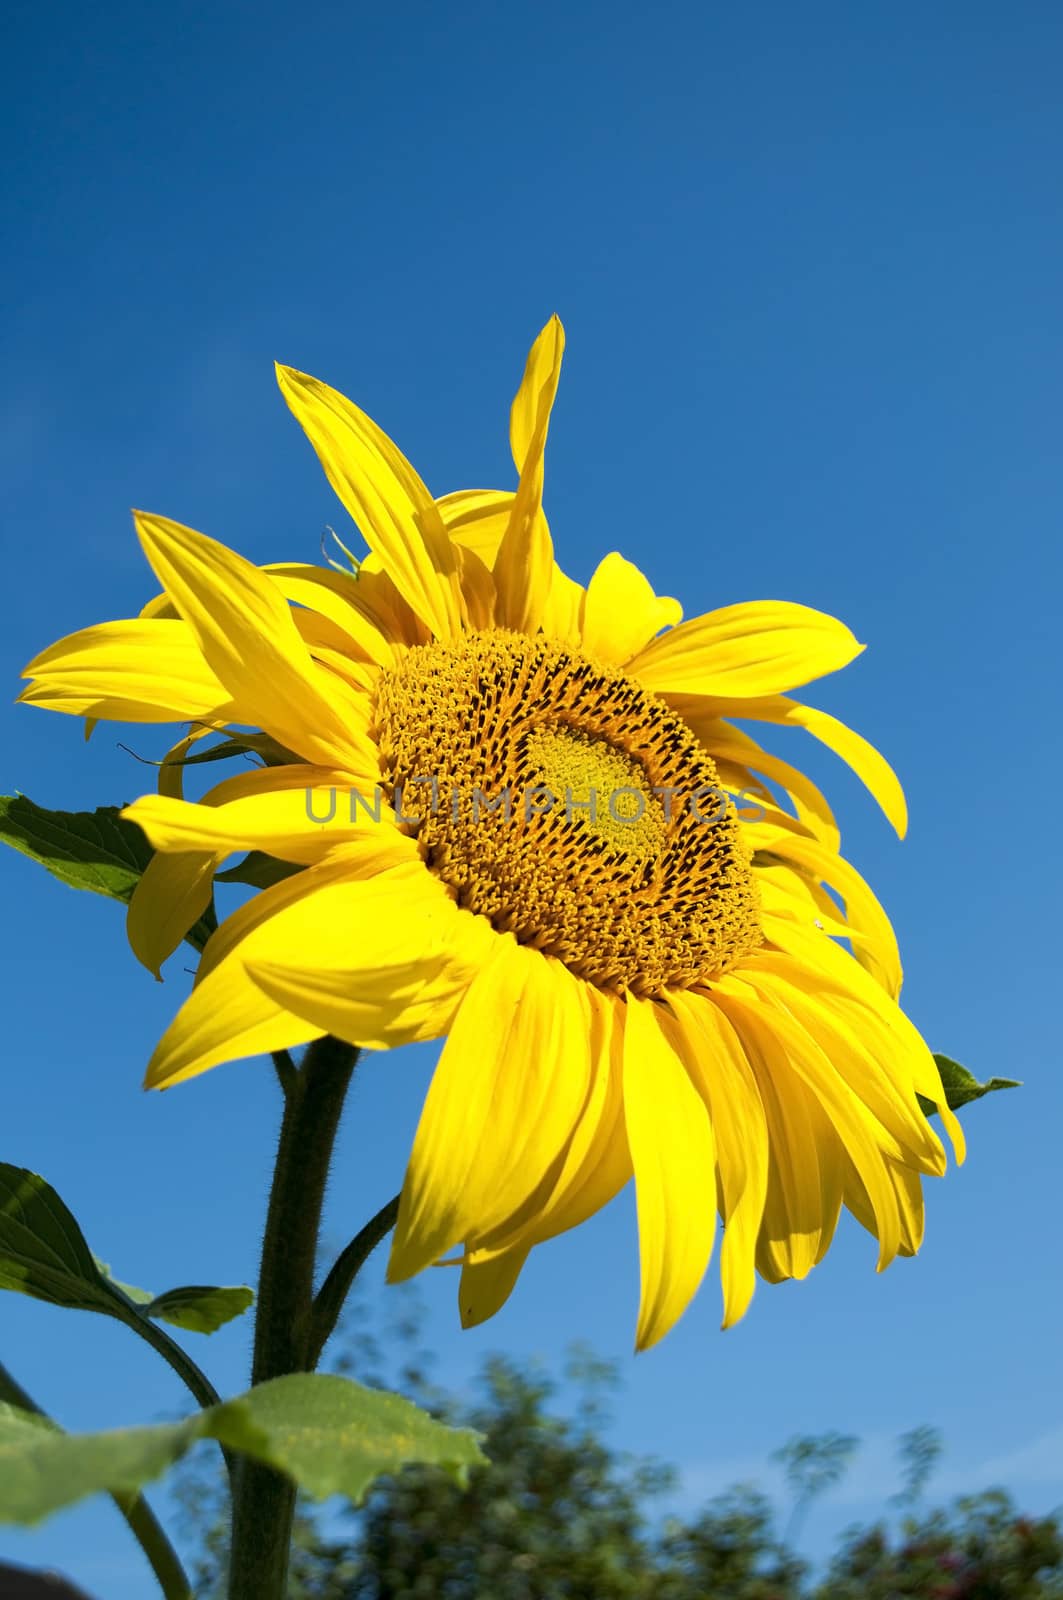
(200, 1309)
(334, 1436)
(42, 1250)
(961, 1086)
(43, 1253)
(259, 870)
(329, 1434)
(96, 850)
(43, 1469)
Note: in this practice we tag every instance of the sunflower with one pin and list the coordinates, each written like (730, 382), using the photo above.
(514, 812)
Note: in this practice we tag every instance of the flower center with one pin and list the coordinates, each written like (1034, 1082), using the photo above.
(560, 800)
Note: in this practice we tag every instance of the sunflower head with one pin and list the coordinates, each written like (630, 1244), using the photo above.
(634, 974)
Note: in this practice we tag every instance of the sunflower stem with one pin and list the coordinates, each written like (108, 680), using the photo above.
(263, 1500)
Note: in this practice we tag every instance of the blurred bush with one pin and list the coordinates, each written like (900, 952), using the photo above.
(561, 1515)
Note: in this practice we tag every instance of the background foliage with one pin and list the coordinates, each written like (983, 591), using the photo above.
(559, 1514)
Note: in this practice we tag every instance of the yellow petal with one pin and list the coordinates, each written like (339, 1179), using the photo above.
(856, 993)
(335, 595)
(596, 1162)
(477, 519)
(171, 895)
(429, 973)
(477, 590)
(761, 647)
(873, 770)
(563, 609)
(503, 1101)
(718, 1066)
(525, 562)
(908, 1188)
(621, 612)
(384, 605)
(320, 914)
(729, 744)
(135, 671)
(487, 1281)
(295, 813)
(541, 372)
(862, 1051)
(805, 1158)
(395, 512)
(878, 950)
(245, 631)
(673, 1153)
(782, 1039)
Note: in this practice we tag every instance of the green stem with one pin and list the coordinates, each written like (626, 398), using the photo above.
(328, 1302)
(263, 1500)
(287, 1071)
(193, 1378)
(142, 1521)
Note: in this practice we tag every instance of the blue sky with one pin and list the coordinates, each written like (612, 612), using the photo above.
(809, 265)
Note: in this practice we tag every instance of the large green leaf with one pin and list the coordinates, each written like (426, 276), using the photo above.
(334, 1436)
(97, 850)
(43, 1253)
(329, 1434)
(961, 1086)
(43, 1469)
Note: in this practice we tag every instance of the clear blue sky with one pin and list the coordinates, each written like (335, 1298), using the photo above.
(809, 261)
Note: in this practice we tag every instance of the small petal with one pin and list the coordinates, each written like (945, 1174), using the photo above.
(621, 613)
(762, 647)
(383, 493)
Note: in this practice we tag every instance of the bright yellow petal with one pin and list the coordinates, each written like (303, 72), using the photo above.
(504, 1098)
(805, 1159)
(621, 612)
(319, 914)
(596, 1163)
(335, 596)
(245, 631)
(729, 744)
(861, 1050)
(781, 1038)
(563, 609)
(856, 994)
(487, 1281)
(761, 647)
(541, 372)
(295, 813)
(524, 565)
(397, 516)
(430, 971)
(477, 519)
(171, 895)
(673, 1153)
(382, 603)
(718, 1066)
(135, 671)
(873, 770)
(878, 950)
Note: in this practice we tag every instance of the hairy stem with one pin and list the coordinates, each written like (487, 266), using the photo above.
(328, 1302)
(143, 1524)
(263, 1500)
